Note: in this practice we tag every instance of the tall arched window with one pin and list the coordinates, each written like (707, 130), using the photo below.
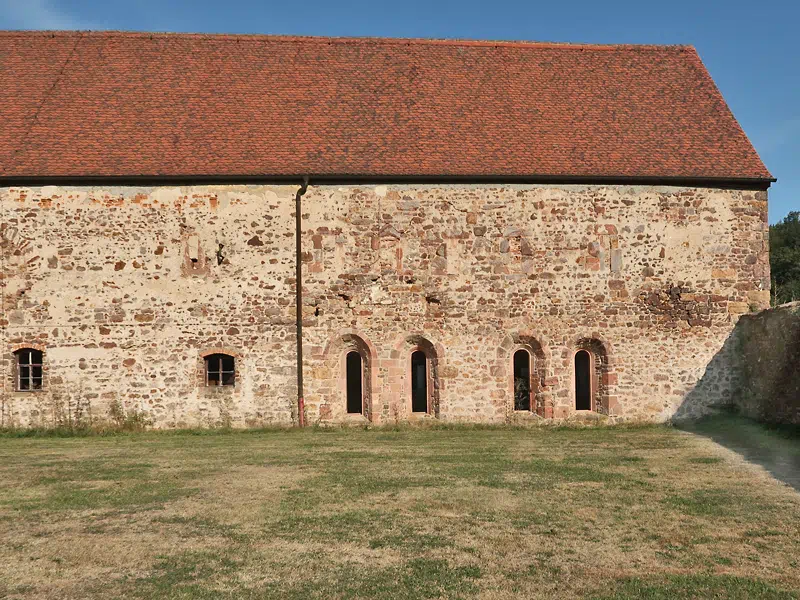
(355, 383)
(583, 380)
(526, 376)
(591, 376)
(29, 369)
(220, 370)
(522, 380)
(419, 382)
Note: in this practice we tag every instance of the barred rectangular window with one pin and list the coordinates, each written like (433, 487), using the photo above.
(220, 370)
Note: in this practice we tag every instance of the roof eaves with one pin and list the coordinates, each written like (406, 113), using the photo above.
(373, 178)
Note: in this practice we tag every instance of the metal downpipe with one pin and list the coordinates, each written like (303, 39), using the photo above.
(298, 277)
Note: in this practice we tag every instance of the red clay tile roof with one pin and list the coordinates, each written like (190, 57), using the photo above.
(132, 104)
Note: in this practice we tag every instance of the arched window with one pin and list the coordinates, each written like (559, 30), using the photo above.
(353, 358)
(591, 376)
(522, 380)
(355, 383)
(220, 370)
(583, 380)
(526, 375)
(419, 382)
(29, 369)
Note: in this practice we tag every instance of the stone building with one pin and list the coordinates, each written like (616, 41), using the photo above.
(490, 231)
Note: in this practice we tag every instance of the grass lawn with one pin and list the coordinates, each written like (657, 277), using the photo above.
(600, 513)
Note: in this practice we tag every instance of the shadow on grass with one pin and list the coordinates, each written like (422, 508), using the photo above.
(676, 587)
(775, 449)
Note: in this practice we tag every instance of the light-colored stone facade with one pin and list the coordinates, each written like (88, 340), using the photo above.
(126, 289)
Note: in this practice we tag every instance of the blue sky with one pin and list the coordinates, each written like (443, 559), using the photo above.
(750, 48)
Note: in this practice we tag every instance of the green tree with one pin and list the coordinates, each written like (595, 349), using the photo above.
(784, 258)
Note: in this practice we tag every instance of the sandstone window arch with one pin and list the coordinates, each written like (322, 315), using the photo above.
(528, 369)
(422, 383)
(356, 359)
(590, 376)
(29, 370)
(220, 370)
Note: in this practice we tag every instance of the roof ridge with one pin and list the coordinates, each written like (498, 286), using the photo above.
(258, 37)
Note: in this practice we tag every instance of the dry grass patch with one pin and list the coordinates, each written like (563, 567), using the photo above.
(454, 513)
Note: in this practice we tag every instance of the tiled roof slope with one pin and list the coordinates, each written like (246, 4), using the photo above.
(132, 104)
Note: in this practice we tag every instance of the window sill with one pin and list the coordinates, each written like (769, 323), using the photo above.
(588, 414)
(420, 415)
(355, 418)
(526, 415)
(218, 390)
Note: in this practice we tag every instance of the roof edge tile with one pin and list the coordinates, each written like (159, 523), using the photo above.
(256, 37)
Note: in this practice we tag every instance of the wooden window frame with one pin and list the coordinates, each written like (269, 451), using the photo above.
(219, 370)
(30, 365)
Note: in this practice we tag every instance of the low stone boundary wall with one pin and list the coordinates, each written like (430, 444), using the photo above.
(757, 372)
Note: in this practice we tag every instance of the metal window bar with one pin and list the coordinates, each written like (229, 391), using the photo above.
(220, 370)
(29, 370)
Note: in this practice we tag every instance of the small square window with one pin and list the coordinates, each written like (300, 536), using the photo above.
(220, 370)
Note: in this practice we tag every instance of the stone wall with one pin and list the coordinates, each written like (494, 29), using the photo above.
(126, 289)
(757, 370)
(655, 276)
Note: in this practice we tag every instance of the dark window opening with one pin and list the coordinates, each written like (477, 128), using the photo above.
(355, 390)
(29, 369)
(522, 380)
(419, 382)
(583, 380)
(220, 370)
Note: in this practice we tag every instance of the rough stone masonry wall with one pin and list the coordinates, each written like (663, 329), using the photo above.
(651, 280)
(763, 357)
(125, 289)
(767, 345)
